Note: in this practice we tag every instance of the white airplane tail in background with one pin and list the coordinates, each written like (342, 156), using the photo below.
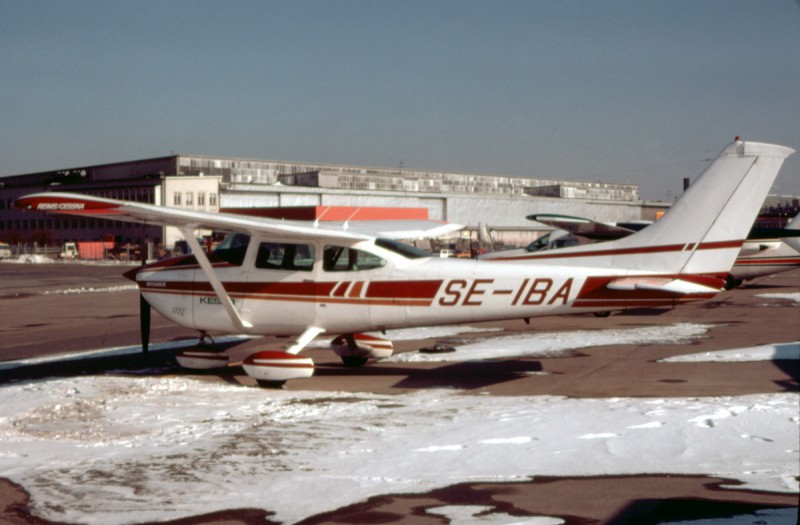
(794, 242)
(702, 233)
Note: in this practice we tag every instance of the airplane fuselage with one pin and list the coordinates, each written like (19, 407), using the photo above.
(386, 291)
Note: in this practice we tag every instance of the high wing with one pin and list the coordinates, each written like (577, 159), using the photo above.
(394, 229)
(581, 227)
(102, 208)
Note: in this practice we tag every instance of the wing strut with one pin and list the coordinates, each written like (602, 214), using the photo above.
(305, 338)
(216, 284)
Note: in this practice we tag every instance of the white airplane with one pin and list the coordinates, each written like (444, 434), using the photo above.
(278, 278)
(765, 252)
(768, 255)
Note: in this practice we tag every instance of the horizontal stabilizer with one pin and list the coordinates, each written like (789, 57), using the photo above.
(581, 227)
(661, 284)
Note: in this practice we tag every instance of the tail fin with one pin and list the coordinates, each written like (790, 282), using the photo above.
(794, 224)
(703, 231)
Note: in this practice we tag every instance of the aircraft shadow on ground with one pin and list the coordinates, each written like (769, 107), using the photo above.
(156, 362)
(790, 367)
(645, 311)
(463, 375)
(159, 362)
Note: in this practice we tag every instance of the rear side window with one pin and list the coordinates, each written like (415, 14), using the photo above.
(285, 256)
(343, 259)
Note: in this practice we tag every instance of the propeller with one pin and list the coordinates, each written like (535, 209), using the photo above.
(144, 322)
(144, 309)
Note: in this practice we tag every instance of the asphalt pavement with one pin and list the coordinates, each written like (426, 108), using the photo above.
(49, 309)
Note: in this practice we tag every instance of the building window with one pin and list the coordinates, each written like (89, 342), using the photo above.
(212, 199)
(189, 198)
(177, 198)
(201, 199)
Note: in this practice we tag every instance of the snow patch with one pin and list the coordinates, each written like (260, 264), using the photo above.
(100, 449)
(794, 296)
(771, 352)
(552, 344)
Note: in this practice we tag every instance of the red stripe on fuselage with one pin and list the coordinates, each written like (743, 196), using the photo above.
(403, 289)
(414, 293)
(626, 251)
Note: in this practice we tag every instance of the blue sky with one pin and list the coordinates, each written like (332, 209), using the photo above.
(617, 91)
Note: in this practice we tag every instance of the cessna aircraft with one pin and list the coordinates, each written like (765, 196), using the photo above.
(279, 278)
(765, 252)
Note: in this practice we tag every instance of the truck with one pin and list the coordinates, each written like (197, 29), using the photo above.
(86, 250)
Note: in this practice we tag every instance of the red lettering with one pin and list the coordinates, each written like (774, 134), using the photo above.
(562, 293)
(538, 291)
(473, 290)
(452, 290)
(519, 293)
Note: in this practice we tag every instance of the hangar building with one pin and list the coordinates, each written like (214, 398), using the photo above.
(500, 203)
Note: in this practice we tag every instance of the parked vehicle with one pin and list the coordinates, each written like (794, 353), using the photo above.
(69, 251)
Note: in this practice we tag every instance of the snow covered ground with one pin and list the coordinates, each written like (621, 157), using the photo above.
(104, 449)
(789, 296)
(97, 449)
(551, 344)
(774, 352)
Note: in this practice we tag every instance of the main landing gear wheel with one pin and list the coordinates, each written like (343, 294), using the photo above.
(731, 282)
(275, 367)
(356, 349)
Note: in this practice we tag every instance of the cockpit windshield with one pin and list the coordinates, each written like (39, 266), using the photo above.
(551, 241)
(233, 248)
(539, 243)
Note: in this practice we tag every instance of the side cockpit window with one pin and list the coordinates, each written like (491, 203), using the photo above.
(285, 256)
(233, 248)
(344, 259)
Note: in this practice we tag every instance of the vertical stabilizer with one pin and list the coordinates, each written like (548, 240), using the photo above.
(712, 218)
(704, 230)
